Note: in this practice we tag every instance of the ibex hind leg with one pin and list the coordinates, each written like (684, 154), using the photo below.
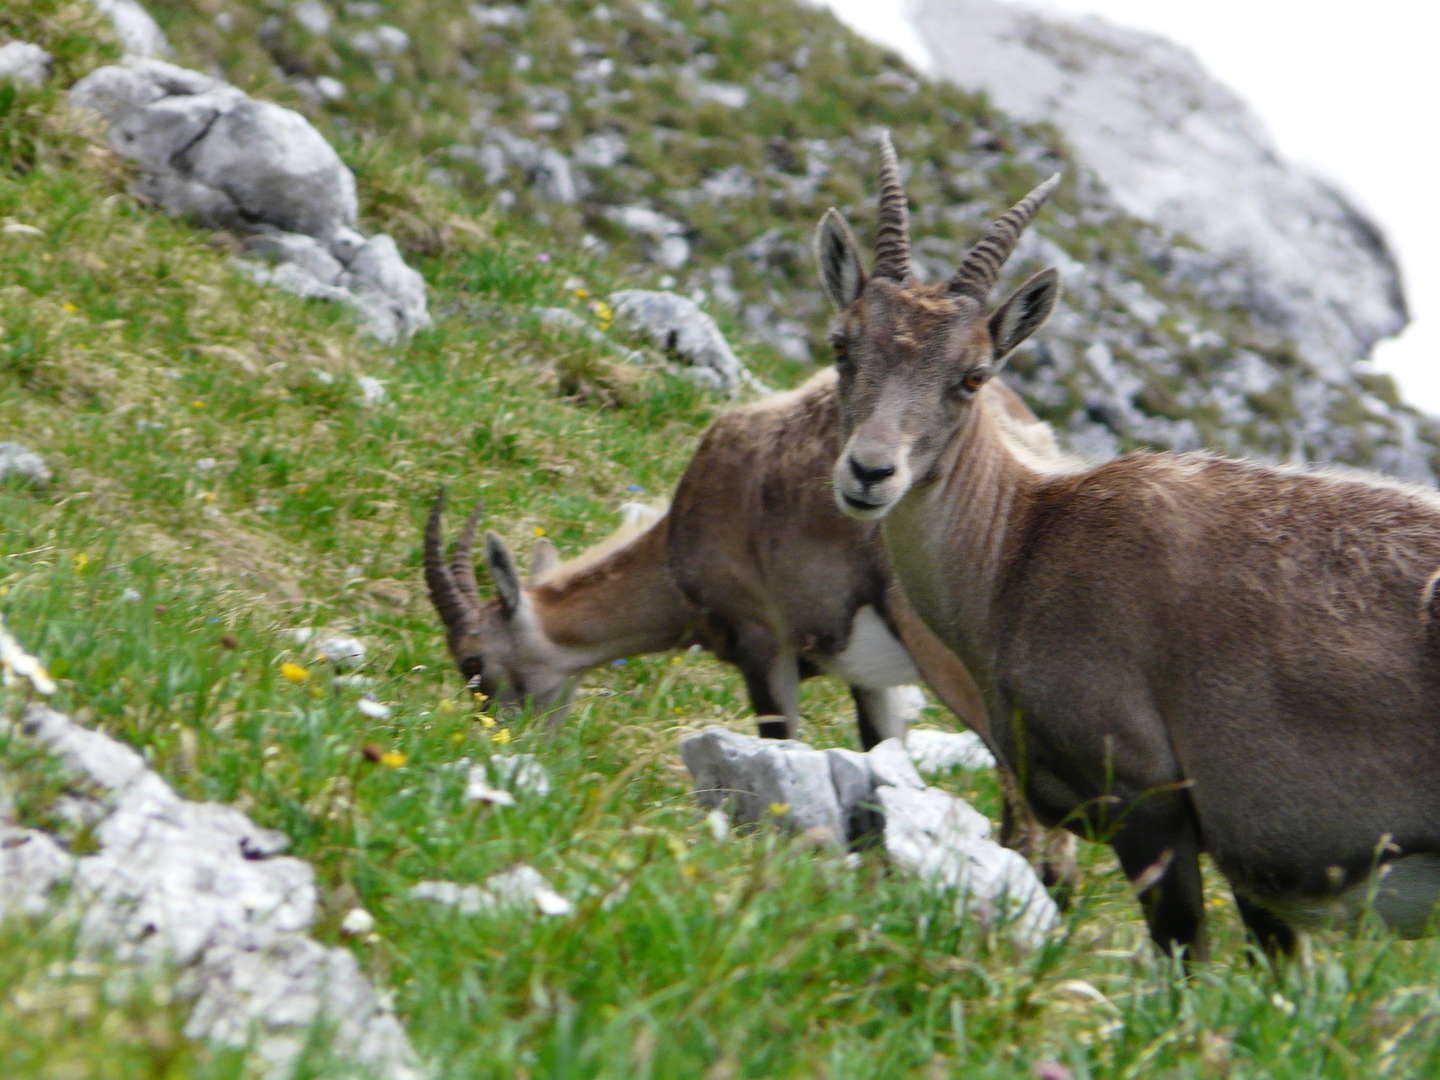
(772, 679)
(1162, 859)
(879, 714)
(1267, 930)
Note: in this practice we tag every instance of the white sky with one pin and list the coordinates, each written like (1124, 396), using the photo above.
(1352, 92)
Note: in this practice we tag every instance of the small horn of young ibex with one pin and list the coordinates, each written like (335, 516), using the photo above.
(1182, 653)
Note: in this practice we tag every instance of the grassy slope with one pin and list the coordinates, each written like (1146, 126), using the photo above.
(158, 589)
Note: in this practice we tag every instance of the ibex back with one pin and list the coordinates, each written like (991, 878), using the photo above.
(1178, 653)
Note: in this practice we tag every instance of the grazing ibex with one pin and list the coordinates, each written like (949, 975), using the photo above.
(1179, 653)
(754, 561)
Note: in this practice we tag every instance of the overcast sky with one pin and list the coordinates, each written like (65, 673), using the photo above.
(1351, 92)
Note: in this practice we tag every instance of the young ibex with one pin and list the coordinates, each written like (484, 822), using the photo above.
(754, 561)
(1178, 652)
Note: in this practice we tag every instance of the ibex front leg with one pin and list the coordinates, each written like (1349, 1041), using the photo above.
(772, 677)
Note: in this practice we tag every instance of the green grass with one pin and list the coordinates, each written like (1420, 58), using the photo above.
(219, 482)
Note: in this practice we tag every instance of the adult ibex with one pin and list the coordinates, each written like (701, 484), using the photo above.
(754, 561)
(1178, 653)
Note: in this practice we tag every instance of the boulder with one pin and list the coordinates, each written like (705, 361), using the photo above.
(208, 151)
(678, 327)
(849, 797)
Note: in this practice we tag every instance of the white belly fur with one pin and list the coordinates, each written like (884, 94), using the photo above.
(873, 658)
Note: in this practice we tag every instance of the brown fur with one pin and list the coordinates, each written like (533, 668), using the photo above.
(1179, 653)
(754, 561)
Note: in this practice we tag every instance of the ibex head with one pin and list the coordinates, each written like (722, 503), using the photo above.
(499, 645)
(912, 358)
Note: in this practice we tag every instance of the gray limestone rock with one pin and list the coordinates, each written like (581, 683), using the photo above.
(19, 462)
(139, 34)
(946, 843)
(198, 888)
(679, 328)
(22, 62)
(765, 779)
(1174, 146)
(940, 839)
(209, 151)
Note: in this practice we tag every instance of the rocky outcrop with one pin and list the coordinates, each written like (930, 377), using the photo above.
(200, 889)
(1173, 146)
(838, 797)
(211, 152)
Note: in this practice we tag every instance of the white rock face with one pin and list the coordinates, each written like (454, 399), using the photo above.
(22, 463)
(200, 888)
(1176, 147)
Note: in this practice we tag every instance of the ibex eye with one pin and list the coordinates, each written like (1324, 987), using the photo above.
(974, 380)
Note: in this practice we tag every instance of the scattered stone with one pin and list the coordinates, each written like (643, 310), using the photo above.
(200, 888)
(519, 887)
(19, 462)
(757, 780)
(946, 843)
(522, 773)
(345, 653)
(372, 390)
(668, 245)
(678, 327)
(847, 796)
(139, 34)
(935, 751)
(357, 922)
(22, 62)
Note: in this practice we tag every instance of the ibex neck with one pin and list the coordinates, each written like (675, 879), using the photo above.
(948, 537)
(622, 604)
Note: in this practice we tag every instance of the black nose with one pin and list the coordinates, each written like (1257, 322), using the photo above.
(870, 474)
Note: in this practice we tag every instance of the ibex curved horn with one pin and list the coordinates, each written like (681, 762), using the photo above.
(981, 266)
(462, 562)
(892, 233)
(457, 610)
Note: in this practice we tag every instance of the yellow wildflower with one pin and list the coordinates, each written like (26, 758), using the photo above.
(68, 306)
(603, 311)
(294, 672)
(197, 404)
(458, 737)
(581, 294)
(539, 530)
(485, 721)
(678, 658)
(209, 496)
(502, 736)
(80, 560)
(392, 759)
(446, 706)
(778, 808)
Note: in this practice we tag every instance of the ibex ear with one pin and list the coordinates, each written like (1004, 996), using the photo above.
(543, 559)
(503, 574)
(1024, 312)
(842, 275)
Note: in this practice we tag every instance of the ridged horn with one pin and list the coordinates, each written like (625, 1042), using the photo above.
(450, 602)
(892, 232)
(462, 562)
(978, 272)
